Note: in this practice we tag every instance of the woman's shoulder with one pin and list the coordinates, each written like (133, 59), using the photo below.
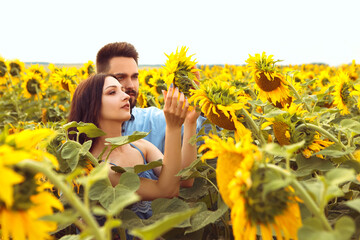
(143, 144)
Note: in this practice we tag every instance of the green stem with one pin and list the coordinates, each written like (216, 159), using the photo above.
(255, 127)
(92, 158)
(303, 194)
(299, 98)
(326, 133)
(211, 183)
(74, 201)
(14, 100)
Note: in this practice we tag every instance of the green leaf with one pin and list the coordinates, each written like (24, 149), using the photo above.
(98, 173)
(118, 169)
(344, 228)
(122, 140)
(69, 125)
(307, 166)
(97, 188)
(337, 176)
(199, 189)
(90, 130)
(70, 152)
(129, 181)
(160, 227)
(144, 167)
(273, 113)
(354, 204)
(205, 217)
(123, 201)
(65, 218)
(70, 237)
(313, 229)
(85, 148)
(335, 151)
(351, 125)
(284, 151)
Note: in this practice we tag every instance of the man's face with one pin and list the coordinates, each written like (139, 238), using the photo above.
(126, 71)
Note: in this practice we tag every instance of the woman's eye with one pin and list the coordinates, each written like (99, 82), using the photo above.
(112, 92)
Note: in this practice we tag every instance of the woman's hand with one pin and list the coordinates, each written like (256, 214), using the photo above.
(175, 107)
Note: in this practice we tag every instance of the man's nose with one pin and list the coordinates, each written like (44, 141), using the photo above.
(127, 83)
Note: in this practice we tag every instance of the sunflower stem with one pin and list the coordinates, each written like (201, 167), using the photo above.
(304, 195)
(299, 98)
(14, 100)
(74, 201)
(255, 127)
(326, 133)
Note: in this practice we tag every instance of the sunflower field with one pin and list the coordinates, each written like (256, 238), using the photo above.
(281, 159)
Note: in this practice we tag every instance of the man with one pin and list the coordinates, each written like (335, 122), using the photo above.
(121, 59)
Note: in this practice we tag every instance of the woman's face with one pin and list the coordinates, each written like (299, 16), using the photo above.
(115, 105)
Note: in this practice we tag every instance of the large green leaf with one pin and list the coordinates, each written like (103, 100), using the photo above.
(307, 166)
(160, 227)
(344, 228)
(313, 229)
(350, 125)
(337, 176)
(85, 148)
(354, 204)
(122, 140)
(90, 130)
(70, 152)
(144, 167)
(205, 217)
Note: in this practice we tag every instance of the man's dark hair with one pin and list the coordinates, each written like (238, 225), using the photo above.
(111, 50)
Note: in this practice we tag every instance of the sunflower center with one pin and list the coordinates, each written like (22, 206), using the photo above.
(147, 80)
(2, 69)
(23, 191)
(260, 207)
(32, 86)
(160, 85)
(280, 129)
(305, 134)
(265, 84)
(345, 92)
(90, 69)
(15, 69)
(325, 81)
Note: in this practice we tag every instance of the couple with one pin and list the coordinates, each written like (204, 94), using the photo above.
(108, 100)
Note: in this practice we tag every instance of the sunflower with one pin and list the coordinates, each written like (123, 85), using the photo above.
(87, 69)
(37, 69)
(67, 78)
(25, 198)
(33, 85)
(3, 69)
(145, 75)
(342, 89)
(356, 92)
(230, 156)
(15, 67)
(180, 70)
(271, 83)
(147, 98)
(219, 101)
(276, 210)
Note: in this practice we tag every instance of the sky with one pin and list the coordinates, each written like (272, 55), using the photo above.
(216, 32)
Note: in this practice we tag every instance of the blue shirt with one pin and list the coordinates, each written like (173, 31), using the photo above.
(152, 119)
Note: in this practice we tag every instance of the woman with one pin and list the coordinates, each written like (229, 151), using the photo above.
(101, 100)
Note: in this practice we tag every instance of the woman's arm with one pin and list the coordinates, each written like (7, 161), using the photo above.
(167, 186)
(189, 152)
